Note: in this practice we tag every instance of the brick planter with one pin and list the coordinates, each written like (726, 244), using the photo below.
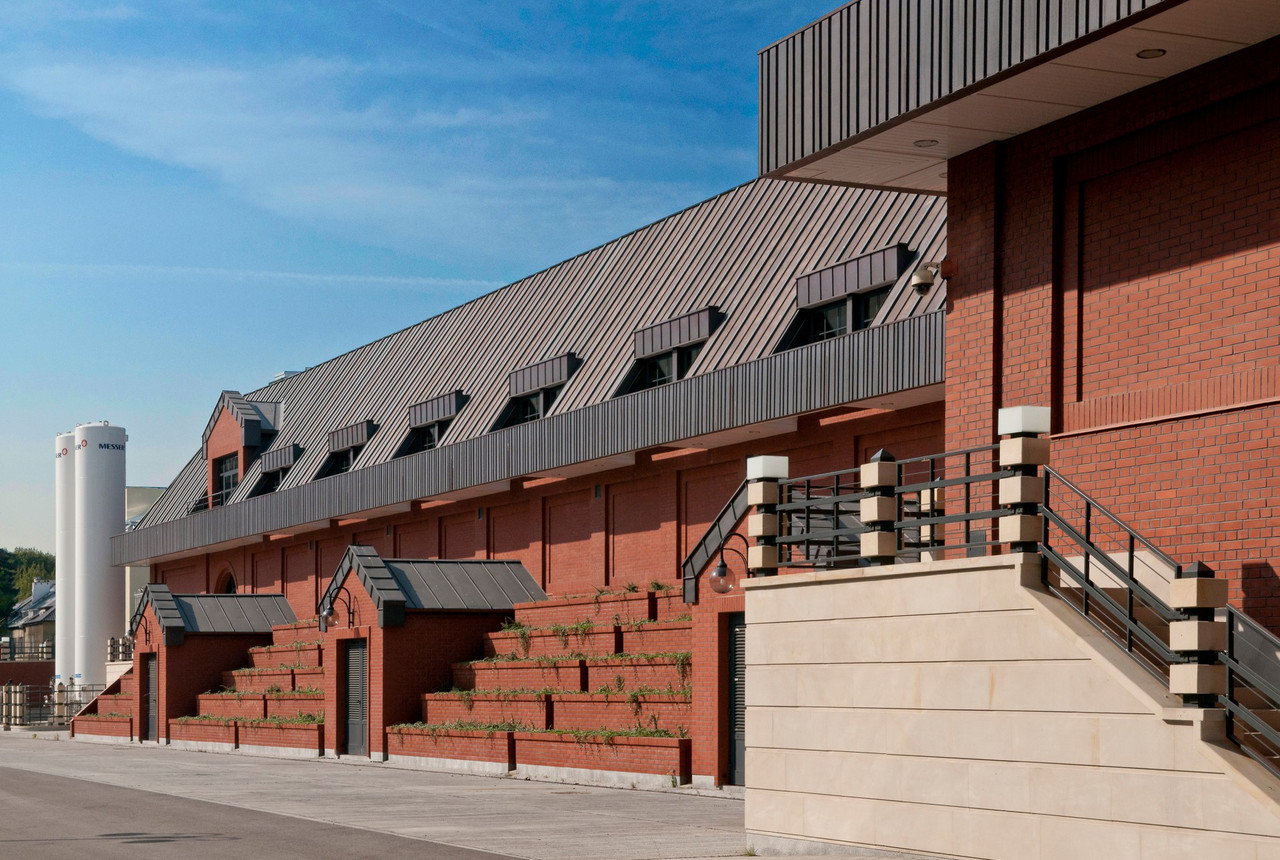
(660, 672)
(247, 681)
(202, 732)
(114, 703)
(288, 707)
(594, 711)
(301, 631)
(285, 655)
(468, 746)
(528, 709)
(543, 753)
(302, 736)
(111, 727)
(658, 636)
(599, 641)
(248, 706)
(520, 675)
(309, 678)
(598, 610)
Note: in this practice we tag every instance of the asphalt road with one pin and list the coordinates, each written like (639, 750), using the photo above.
(47, 817)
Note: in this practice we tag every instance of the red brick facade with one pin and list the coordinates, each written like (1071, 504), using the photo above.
(1124, 266)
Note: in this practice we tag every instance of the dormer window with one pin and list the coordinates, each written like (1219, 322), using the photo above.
(534, 389)
(345, 445)
(276, 463)
(665, 352)
(845, 297)
(428, 422)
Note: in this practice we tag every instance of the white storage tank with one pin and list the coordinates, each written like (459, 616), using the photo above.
(99, 504)
(64, 471)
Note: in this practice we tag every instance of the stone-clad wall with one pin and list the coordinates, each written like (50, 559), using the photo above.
(952, 710)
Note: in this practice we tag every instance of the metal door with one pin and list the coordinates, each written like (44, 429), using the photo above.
(737, 715)
(357, 699)
(151, 701)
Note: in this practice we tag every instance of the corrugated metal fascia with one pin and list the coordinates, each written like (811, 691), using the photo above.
(872, 61)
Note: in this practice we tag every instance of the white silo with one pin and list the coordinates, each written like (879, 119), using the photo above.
(64, 518)
(99, 460)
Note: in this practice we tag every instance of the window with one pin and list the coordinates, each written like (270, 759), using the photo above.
(226, 476)
(853, 312)
(423, 438)
(534, 389)
(660, 369)
(339, 462)
(666, 351)
(345, 445)
(530, 407)
(269, 482)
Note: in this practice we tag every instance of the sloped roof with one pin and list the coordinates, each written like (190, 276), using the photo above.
(180, 614)
(446, 585)
(740, 251)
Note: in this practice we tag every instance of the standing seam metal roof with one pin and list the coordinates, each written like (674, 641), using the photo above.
(740, 251)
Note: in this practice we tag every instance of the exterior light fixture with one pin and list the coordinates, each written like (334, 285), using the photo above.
(925, 276)
(327, 613)
(718, 579)
(926, 143)
(1151, 53)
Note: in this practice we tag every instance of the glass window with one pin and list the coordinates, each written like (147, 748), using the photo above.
(226, 477)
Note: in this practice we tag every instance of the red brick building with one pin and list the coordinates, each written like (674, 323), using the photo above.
(1109, 174)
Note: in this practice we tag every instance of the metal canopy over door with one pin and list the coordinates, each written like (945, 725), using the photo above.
(151, 700)
(357, 699)
(737, 715)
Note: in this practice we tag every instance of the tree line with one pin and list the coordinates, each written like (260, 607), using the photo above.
(19, 568)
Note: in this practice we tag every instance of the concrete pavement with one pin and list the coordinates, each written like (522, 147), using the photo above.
(517, 818)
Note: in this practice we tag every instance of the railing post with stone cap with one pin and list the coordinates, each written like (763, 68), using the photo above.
(1199, 638)
(1023, 452)
(879, 511)
(764, 492)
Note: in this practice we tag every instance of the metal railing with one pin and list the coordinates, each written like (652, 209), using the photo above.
(1109, 573)
(119, 649)
(711, 542)
(22, 652)
(946, 507)
(1252, 698)
(819, 522)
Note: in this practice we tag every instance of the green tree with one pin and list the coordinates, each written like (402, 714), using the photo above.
(19, 568)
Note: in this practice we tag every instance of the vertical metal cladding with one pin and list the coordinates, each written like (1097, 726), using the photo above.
(64, 472)
(99, 505)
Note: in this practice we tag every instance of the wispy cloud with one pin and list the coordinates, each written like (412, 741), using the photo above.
(335, 280)
(435, 179)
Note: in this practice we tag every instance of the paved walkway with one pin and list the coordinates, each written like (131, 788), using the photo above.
(517, 818)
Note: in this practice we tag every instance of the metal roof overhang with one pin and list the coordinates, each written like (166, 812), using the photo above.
(888, 366)
(884, 98)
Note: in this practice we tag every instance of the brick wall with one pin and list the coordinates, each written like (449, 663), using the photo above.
(1123, 266)
(637, 529)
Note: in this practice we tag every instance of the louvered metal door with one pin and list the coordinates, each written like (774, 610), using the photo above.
(737, 716)
(151, 700)
(357, 677)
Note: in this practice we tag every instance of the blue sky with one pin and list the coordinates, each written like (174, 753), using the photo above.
(196, 195)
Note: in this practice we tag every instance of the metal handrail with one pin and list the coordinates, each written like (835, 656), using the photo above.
(1057, 476)
(1258, 673)
(711, 541)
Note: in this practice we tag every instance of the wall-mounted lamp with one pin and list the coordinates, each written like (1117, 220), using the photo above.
(925, 276)
(327, 613)
(718, 579)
